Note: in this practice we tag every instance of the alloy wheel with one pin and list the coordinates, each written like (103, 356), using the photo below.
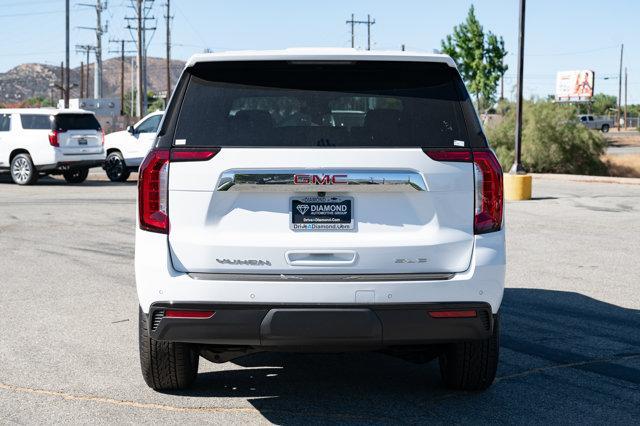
(21, 170)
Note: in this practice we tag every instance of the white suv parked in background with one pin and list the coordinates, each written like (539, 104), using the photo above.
(272, 219)
(126, 148)
(49, 141)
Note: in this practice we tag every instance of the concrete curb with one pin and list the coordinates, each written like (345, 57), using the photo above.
(587, 179)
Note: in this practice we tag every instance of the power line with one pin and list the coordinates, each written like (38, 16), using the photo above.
(580, 52)
(13, 15)
(26, 3)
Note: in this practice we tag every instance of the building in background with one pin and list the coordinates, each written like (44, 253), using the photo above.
(107, 110)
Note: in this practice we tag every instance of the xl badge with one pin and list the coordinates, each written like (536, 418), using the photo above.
(302, 208)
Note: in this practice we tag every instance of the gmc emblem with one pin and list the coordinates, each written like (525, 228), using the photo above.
(320, 179)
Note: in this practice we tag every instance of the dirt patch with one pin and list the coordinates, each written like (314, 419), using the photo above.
(623, 165)
(623, 138)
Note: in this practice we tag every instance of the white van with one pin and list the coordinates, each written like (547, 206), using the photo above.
(34, 142)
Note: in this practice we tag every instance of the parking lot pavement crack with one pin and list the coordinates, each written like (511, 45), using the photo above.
(606, 360)
(182, 409)
(124, 403)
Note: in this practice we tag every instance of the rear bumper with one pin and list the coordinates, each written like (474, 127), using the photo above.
(326, 326)
(56, 160)
(158, 281)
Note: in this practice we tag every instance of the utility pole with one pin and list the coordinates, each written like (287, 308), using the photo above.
(168, 18)
(619, 88)
(141, 12)
(517, 167)
(86, 49)
(139, 110)
(369, 22)
(121, 42)
(97, 75)
(99, 30)
(625, 98)
(61, 80)
(81, 79)
(122, 77)
(133, 85)
(66, 82)
(353, 38)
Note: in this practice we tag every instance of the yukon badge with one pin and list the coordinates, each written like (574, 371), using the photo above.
(244, 262)
(418, 260)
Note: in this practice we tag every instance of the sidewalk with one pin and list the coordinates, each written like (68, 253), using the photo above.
(584, 178)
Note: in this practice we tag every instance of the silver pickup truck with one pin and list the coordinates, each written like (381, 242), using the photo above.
(603, 124)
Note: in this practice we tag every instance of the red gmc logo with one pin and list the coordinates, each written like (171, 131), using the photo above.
(319, 179)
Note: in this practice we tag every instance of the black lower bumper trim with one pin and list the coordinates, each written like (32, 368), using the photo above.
(69, 165)
(320, 325)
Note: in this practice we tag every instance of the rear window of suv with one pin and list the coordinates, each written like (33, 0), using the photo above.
(63, 122)
(307, 104)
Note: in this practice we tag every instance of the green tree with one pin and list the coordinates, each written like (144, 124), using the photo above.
(603, 104)
(154, 103)
(480, 58)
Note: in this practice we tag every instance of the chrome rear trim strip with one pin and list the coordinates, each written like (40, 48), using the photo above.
(321, 180)
(320, 277)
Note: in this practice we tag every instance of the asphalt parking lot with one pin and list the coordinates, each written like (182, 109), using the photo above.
(68, 334)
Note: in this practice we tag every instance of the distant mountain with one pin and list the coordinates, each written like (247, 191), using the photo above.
(31, 80)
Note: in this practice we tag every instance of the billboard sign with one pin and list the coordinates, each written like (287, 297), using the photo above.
(574, 85)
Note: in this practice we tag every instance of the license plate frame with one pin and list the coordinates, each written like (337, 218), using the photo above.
(317, 219)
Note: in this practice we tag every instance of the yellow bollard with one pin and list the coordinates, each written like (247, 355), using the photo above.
(517, 187)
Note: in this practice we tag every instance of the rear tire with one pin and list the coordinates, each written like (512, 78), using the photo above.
(23, 172)
(116, 168)
(472, 365)
(76, 175)
(165, 365)
(605, 128)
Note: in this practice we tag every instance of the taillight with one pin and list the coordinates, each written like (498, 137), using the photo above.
(488, 190)
(459, 155)
(153, 191)
(193, 154)
(153, 184)
(488, 185)
(53, 138)
(102, 137)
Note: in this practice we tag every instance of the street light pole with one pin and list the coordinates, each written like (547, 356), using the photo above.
(517, 167)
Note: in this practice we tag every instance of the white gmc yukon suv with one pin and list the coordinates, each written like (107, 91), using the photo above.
(36, 142)
(320, 200)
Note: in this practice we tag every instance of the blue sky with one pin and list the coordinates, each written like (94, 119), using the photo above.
(561, 34)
